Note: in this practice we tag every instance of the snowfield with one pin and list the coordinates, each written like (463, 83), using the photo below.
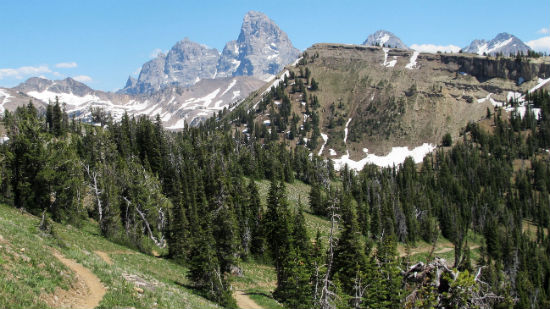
(396, 156)
(69, 98)
(178, 125)
(5, 100)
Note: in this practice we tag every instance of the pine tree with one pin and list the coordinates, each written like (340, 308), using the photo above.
(349, 256)
(315, 200)
(257, 242)
(278, 232)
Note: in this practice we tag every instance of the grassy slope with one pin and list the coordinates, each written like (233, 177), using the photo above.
(34, 271)
(299, 191)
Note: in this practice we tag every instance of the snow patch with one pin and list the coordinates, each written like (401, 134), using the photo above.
(382, 40)
(276, 82)
(166, 117)
(178, 125)
(541, 83)
(69, 98)
(388, 64)
(295, 63)
(6, 99)
(412, 62)
(499, 45)
(332, 152)
(325, 138)
(346, 131)
(233, 82)
(236, 94)
(395, 157)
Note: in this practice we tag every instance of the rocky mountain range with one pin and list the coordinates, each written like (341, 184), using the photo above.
(174, 104)
(384, 38)
(192, 81)
(185, 85)
(504, 43)
(261, 50)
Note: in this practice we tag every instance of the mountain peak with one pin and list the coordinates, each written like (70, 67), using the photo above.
(254, 14)
(261, 50)
(384, 38)
(503, 43)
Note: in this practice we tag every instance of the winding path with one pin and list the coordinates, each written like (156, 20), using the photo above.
(87, 293)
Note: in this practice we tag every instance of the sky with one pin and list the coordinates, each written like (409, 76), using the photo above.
(101, 43)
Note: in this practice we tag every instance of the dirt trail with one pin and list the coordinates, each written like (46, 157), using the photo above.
(87, 292)
(104, 256)
(245, 302)
(426, 249)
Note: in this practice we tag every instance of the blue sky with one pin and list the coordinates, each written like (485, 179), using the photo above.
(102, 42)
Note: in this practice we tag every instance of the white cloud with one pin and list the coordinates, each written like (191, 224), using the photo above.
(540, 45)
(155, 52)
(21, 72)
(544, 31)
(431, 48)
(83, 78)
(66, 65)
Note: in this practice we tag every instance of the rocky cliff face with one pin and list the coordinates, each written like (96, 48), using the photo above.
(185, 64)
(375, 99)
(261, 50)
(484, 68)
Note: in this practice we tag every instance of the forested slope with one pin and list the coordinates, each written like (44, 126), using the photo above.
(193, 196)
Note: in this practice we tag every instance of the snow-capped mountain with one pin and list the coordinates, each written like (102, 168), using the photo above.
(186, 85)
(261, 50)
(385, 38)
(175, 105)
(10, 99)
(503, 43)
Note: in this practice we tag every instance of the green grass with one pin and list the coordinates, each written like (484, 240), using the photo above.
(259, 282)
(443, 249)
(28, 275)
(263, 299)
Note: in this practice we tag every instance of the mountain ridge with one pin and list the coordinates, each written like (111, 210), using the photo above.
(503, 43)
(261, 50)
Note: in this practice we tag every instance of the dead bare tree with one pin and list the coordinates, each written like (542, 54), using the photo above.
(161, 243)
(92, 175)
(327, 298)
